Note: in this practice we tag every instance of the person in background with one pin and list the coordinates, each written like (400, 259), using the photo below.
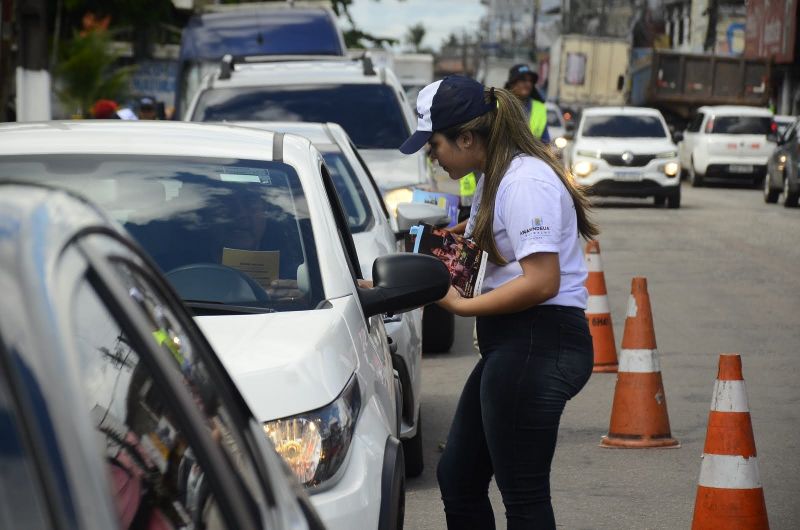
(105, 109)
(147, 109)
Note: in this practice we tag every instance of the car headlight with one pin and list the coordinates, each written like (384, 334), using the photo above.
(314, 444)
(671, 168)
(667, 154)
(590, 154)
(560, 142)
(582, 168)
(395, 197)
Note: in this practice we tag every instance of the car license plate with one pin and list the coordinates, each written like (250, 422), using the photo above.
(627, 176)
(739, 168)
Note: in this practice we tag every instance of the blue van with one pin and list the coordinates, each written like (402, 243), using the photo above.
(277, 29)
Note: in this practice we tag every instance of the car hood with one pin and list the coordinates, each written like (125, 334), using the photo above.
(284, 363)
(620, 145)
(392, 169)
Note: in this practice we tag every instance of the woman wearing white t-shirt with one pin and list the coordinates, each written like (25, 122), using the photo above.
(534, 339)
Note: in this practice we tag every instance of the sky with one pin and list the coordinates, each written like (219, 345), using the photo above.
(392, 18)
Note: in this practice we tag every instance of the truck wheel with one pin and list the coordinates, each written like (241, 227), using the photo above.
(413, 452)
(674, 198)
(770, 195)
(695, 178)
(790, 199)
(438, 329)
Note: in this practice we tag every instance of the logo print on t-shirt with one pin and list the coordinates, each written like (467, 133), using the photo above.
(538, 230)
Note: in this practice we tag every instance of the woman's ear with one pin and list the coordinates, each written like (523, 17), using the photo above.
(466, 140)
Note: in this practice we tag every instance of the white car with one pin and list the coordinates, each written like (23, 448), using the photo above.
(626, 152)
(556, 126)
(368, 102)
(373, 236)
(728, 142)
(248, 228)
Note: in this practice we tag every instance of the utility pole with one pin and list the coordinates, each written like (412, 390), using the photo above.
(535, 49)
(33, 78)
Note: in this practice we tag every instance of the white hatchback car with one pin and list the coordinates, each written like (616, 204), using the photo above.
(728, 142)
(626, 152)
(368, 102)
(373, 236)
(248, 228)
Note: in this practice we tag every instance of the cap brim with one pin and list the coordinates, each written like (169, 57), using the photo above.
(415, 142)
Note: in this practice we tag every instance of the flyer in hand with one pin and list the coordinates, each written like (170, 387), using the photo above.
(465, 261)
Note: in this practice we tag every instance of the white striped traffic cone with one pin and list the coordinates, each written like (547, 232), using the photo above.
(598, 313)
(729, 492)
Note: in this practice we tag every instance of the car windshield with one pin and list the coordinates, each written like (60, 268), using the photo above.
(351, 194)
(623, 127)
(371, 114)
(227, 233)
(742, 125)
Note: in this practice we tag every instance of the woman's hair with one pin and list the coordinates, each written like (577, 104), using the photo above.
(506, 133)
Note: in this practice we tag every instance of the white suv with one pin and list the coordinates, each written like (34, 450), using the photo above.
(626, 152)
(728, 142)
(368, 102)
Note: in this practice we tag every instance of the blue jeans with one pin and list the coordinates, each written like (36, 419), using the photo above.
(506, 422)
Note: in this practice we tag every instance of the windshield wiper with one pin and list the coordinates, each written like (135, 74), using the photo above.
(222, 307)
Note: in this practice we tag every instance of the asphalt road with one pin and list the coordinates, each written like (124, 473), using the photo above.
(724, 276)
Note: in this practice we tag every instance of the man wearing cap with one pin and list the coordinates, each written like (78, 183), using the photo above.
(522, 83)
(147, 109)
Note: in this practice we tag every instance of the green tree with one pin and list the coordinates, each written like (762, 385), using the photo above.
(86, 72)
(415, 35)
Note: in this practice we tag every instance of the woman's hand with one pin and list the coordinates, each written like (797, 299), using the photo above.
(452, 301)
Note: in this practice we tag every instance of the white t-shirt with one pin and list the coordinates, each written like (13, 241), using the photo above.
(534, 212)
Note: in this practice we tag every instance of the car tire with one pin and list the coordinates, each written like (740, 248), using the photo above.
(694, 177)
(412, 449)
(393, 487)
(659, 200)
(438, 329)
(674, 198)
(770, 195)
(790, 198)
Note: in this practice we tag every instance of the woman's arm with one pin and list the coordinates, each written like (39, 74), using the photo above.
(459, 228)
(540, 281)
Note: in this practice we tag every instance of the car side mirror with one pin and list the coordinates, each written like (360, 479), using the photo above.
(569, 134)
(414, 213)
(402, 282)
(677, 136)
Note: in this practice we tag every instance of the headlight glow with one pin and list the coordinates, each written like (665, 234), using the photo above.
(582, 168)
(314, 444)
(671, 169)
(590, 154)
(560, 142)
(667, 154)
(395, 197)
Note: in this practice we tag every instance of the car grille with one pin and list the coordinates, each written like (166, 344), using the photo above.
(637, 161)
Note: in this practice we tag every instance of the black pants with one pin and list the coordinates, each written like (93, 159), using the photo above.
(506, 423)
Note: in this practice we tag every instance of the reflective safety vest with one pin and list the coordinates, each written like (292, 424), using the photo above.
(536, 122)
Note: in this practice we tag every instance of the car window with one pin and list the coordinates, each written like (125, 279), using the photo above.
(231, 234)
(741, 125)
(694, 125)
(371, 180)
(354, 201)
(153, 469)
(623, 127)
(371, 114)
(21, 502)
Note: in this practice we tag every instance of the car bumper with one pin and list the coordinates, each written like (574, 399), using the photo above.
(738, 170)
(629, 182)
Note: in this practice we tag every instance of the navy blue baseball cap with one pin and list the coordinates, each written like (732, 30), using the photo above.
(453, 100)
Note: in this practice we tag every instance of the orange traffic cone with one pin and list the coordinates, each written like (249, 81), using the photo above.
(639, 414)
(729, 493)
(598, 314)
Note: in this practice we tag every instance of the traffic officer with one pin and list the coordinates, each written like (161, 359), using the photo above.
(522, 83)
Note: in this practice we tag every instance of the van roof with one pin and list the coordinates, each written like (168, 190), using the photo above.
(735, 110)
(262, 31)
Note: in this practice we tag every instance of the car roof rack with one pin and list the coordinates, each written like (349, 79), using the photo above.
(229, 62)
